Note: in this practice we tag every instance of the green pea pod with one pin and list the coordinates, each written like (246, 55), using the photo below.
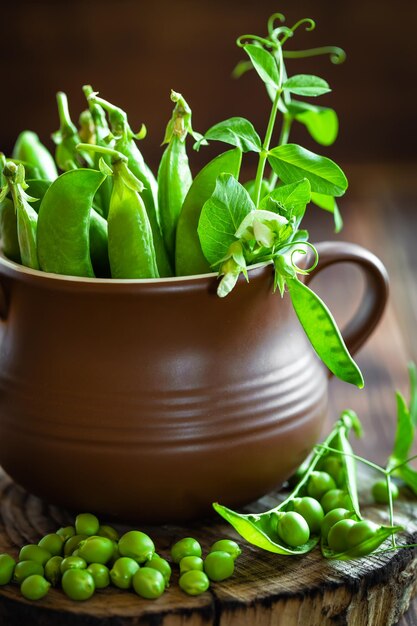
(64, 223)
(189, 257)
(363, 549)
(323, 333)
(26, 216)
(99, 245)
(101, 137)
(256, 528)
(67, 138)
(174, 174)
(131, 249)
(125, 144)
(8, 231)
(29, 148)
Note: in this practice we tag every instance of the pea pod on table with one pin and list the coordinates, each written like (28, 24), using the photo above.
(125, 144)
(26, 216)
(189, 257)
(28, 148)
(322, 331)
(267, 530)
(64, 223)
(174, 174)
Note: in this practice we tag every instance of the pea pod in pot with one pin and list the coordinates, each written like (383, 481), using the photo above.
(227, 403)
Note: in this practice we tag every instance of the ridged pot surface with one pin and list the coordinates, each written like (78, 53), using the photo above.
(149, 400)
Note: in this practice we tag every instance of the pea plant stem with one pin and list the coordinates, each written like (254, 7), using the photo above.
(354, 456)
(265, 147)
(283, 139)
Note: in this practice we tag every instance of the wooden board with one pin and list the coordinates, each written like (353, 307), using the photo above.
(265, 589)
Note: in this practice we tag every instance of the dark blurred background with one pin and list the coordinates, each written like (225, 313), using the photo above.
(134, 52)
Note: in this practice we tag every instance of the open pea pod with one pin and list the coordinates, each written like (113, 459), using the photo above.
(362, 549)
(189, 257)
(256, 528)
(323, 333)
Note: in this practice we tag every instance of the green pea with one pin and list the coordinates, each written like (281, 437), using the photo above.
(86, 524)
(185, 547)
(78, 584)
(191, 562)
(109, 532)
(380, 492)
(53, 543)
(360, 532)
(319, 483)
(219, 565)
(7, 565)
(337, 537)
(34, 587)
(311, 510)
(72, 562)
(72, 544)
(148, 583)
(122, 572)
(332, 465)
(331, 518)
(53, 570)
(194, 582)
(100, 574)
(66, 532)
(32, 552)
(96, 549)
(162, 566)
(24, 569)
(227, 545)
(29, 148)
(334, 499)
(293, 529)
(137, 545)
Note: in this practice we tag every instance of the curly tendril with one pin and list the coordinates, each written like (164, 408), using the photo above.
(297, 269)
(245, 39)
(310, 25)
(337, 55)
(272, 19)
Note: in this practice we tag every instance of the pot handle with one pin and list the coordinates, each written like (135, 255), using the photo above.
(375, 295)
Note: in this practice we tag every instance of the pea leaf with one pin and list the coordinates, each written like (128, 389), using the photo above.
(306, 85)
(321, 122)
(292, 162)
(323, 333)
(292, 199)
(221, 216)
(328, 203)
(236, 131)
(412, 373)
(264, 63)
(408, 475)
(404, 434)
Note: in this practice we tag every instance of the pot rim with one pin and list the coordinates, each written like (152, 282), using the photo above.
(21, 272)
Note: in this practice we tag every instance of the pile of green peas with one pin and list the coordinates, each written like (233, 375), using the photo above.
(325, 509)
(89, 556)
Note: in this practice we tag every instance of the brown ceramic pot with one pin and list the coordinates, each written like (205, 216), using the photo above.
(148, 400)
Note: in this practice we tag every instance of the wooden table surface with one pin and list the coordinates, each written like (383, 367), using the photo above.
(380, 213)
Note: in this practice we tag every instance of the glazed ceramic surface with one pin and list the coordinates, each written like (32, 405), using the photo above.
(148, 400)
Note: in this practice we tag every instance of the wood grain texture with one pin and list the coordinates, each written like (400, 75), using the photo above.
(265, 589)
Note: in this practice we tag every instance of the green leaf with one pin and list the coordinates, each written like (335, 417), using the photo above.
(408, 475)
(189, 257)
(292, 163)
(292, 199)
(323, 333)
(306, 85)
(221, 216)
(412, 374)
(250, 188)
(236, 131)
(264, 63)
(328, 203)
(321, 122)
